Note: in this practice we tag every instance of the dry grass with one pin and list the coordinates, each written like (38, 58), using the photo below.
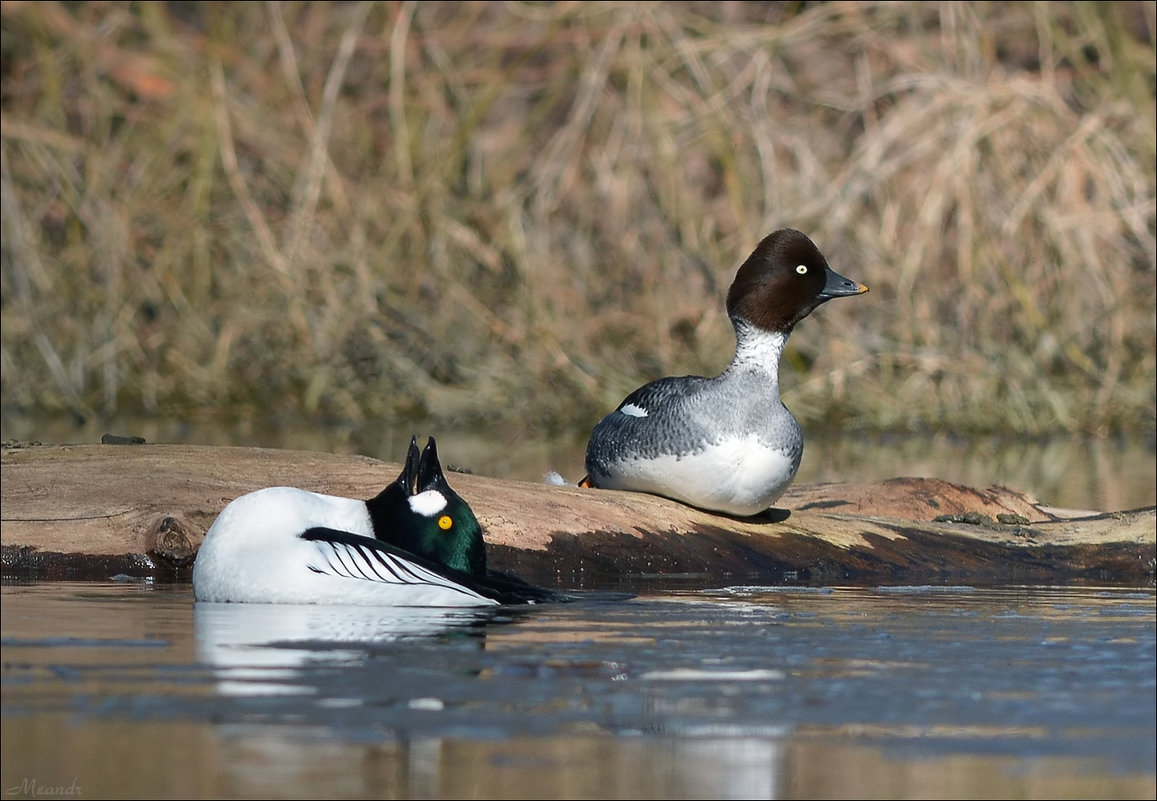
(488, 213)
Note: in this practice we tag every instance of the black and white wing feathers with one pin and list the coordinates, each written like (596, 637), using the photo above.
(348, 555)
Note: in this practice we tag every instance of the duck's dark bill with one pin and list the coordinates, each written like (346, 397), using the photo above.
(837, 286)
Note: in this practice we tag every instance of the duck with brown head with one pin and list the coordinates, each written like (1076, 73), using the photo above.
(727, 443)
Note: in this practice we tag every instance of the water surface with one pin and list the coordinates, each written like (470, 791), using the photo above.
(132, 690)
(1102, 474)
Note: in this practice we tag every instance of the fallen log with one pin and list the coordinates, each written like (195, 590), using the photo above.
(95, 511)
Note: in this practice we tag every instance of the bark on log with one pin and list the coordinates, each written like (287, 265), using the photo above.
(94, 511)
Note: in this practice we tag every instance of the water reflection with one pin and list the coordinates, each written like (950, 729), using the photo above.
(573, 767)
(733, 692)
(261, 649)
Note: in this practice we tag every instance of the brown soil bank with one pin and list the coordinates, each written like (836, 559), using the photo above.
(94, 511)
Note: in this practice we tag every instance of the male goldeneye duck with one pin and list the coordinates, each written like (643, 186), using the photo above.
(417, 543)
(727, 443)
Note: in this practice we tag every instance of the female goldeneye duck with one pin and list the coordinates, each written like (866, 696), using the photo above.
(727, 443)
(417, 543)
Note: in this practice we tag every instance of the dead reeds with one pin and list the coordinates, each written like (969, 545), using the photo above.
(474, 213)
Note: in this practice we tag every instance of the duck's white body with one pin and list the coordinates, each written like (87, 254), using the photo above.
(254, 553)
(726, 443)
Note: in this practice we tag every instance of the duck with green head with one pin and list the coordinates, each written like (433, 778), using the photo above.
(416, 543)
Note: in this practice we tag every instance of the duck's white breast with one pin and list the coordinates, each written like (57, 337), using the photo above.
(738, 475)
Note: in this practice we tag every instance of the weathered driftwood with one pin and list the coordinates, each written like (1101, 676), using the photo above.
(92, 511)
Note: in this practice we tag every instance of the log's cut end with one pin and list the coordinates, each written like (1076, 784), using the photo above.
(94, 511)
(172, 539)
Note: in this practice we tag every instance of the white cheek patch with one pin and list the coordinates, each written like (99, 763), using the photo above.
(428, 503)
(631, 410)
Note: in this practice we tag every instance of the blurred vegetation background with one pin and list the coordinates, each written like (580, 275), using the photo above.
(511, 213)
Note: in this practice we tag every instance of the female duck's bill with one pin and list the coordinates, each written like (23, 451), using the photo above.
(417, 543)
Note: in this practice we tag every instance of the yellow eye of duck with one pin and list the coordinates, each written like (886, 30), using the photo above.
(801, 269)
(444, 522)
